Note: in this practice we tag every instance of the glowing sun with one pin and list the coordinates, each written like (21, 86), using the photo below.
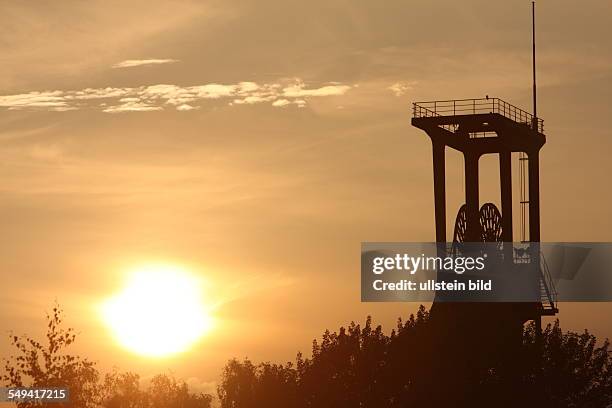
(159, 312)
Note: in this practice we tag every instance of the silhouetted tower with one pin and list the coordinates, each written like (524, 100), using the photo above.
(477, 336)
(481, 335)
(476, 127)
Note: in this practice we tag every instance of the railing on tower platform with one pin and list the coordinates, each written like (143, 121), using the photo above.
(456, 107)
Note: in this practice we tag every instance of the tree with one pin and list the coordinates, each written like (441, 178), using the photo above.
(166, 392)
(246, 385)
(122, 390)
(362, 367)
(574, 370)
(48, 365)
(237, 388)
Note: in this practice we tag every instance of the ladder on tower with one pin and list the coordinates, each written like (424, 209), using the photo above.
(524, 200)
(548, 294)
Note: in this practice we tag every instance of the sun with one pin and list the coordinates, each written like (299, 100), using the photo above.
(159, 312)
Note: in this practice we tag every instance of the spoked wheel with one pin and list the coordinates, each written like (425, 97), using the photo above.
(459, 234)
(490, 228)
(490, 223)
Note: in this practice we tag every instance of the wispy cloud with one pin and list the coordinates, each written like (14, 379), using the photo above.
(168, 96)
(185, 107)
(279, 103)
(138, 62)
(298, 90)
(400, 88)
(131, 105)
(50, 100)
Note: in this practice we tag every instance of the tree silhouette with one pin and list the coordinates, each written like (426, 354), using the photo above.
(122, 390)
(245, 385)
(167, 392)
(363, 367)
(357, 366)
(238, 382)
(575, 371)
(47, 364)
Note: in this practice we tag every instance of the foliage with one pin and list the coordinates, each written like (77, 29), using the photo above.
(360, 366)
(122, 390)
(165, 392)
(245, 385)
(357, 366)
(574, 370)
(49, 365)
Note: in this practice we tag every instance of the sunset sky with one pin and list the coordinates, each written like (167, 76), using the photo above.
(258, 143)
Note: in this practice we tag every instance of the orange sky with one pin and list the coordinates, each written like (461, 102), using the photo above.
(258, 143)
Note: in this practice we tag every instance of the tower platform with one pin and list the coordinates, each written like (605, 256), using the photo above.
(482, 125)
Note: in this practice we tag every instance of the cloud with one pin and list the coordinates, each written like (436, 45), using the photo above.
(136, 63)
(298, 90)
(97, 93)
(182, 98)
(196, 385)
(252, 99)
(281, 102)
(51, 100)
(400, 88)
(132, 105)
(213, 91)
(185, 107)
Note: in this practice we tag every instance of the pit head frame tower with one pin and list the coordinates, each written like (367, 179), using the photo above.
(476, 127)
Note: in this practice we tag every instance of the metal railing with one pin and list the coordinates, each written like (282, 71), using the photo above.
(475, 106)
(547, 286)
(548, 292)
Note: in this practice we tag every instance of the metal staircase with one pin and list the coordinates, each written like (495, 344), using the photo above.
(548, 294)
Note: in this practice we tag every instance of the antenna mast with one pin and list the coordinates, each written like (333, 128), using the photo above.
(533, 37)
(523, 158)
